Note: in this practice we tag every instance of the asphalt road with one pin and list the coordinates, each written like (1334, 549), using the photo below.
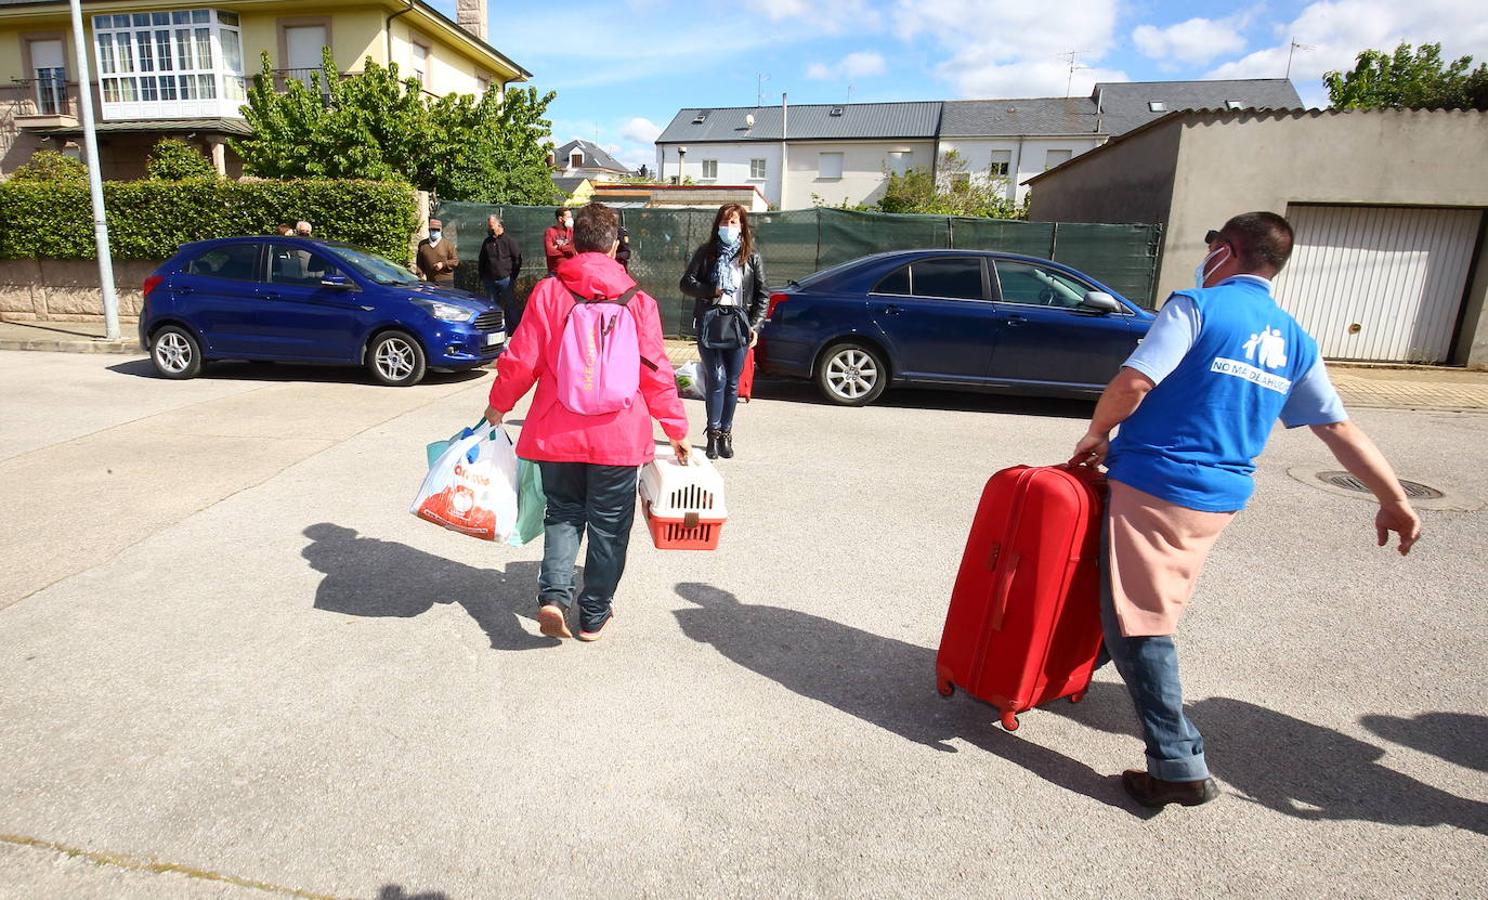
(232, 664)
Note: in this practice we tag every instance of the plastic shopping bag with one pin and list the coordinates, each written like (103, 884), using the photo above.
(472, 487)
(689, 383)
(532, 503)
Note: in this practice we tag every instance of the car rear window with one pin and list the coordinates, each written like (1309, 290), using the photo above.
(236, 261)
(958, 279)
(897, 283)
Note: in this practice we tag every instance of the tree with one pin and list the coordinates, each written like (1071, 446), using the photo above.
(172, 159)
(1409, 80)
(49, 165)
(950, 191)
(378, 126)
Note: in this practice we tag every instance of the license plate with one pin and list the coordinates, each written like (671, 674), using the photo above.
(495, 337)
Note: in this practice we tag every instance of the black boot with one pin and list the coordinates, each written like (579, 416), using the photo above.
(712, 451)
(726, 443)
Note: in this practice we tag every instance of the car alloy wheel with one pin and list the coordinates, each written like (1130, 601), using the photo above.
(852, 374)
(396, 359)
(173, 353)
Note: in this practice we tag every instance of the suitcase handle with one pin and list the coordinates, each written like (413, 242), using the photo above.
(1004, 587)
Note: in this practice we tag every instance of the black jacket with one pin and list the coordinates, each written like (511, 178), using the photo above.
(701, 284)
(500, 257)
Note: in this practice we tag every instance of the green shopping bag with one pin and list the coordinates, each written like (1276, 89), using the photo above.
(532, 503)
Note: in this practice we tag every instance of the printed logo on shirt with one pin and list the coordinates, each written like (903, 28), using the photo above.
(1267, 348)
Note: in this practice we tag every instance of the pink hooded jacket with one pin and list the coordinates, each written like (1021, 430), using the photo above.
(552, 433)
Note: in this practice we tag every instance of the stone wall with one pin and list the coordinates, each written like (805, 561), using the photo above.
(53, 290)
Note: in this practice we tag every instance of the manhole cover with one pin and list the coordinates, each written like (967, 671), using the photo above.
(1413, 490)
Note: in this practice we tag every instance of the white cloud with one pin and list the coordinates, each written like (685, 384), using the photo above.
(640, 130)
(862, 64)
(1196, 41)
(1334, 32)
(831, 16)
(1015, 48)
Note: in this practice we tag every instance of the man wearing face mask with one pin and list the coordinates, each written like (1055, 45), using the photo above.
(558, 242)
(436, 259)
(1196, 403)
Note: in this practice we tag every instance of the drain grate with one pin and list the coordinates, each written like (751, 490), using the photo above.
(1413, 490)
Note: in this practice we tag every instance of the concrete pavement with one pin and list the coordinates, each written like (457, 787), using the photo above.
(281, 678)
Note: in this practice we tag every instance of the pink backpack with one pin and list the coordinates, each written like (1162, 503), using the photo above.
(599, 356)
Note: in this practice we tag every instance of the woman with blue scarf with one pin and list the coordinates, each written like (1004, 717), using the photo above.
(726, 280)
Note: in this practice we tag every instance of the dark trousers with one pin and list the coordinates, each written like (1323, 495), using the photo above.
(601, 499)
(721, 370)
(502, 293)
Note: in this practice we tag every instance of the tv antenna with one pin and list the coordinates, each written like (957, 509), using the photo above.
(1073, 57)
(759, 81)
(1293, 48)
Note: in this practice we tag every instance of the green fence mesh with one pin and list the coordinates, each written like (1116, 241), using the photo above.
(795, 243)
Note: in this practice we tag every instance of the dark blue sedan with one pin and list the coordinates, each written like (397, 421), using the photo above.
(957, 319)
(287, 299)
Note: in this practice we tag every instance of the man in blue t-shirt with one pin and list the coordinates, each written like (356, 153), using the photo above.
(1196, 403)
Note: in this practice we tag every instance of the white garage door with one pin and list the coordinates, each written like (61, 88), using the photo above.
(1384, 284)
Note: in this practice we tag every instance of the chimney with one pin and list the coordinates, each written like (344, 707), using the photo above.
(471, 15)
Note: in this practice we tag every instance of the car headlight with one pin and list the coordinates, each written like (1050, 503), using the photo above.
(446, 312)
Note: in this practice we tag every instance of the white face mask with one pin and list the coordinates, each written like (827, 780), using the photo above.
(1204, 270)
(568, 223)
(729, 234)
(434, 236)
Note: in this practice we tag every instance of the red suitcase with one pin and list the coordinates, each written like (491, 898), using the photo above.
(746, 377)
(1024, 623)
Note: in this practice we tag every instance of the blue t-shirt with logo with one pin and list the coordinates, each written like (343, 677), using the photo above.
(1228, 362)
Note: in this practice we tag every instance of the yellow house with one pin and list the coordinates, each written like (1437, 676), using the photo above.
(164, 67)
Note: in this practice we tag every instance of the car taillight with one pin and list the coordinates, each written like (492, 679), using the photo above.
(775, 300)
(151, 283)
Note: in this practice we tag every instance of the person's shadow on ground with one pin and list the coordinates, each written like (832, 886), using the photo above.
(1460, 738)
(370, 577)
(1295, 767)
(883, 681)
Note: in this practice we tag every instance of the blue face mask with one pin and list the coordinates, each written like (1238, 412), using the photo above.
(729, 234)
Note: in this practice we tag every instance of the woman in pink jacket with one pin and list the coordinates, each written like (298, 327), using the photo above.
(589, 462)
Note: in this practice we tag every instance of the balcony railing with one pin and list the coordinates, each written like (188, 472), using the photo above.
(40, 98)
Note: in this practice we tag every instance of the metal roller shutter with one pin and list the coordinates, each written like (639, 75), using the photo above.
(1381, 284)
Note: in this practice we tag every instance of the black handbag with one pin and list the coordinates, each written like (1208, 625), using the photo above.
(723, 328)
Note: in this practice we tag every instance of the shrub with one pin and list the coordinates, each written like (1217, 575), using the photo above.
(151, 219)
(172, 159)
(49, 165)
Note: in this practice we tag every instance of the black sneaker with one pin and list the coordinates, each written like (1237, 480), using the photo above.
(1155, 793)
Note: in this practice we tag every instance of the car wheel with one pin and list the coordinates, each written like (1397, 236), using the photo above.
(176, 353)
(851, 374)
(396, 359)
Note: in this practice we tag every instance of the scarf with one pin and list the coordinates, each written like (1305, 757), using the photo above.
(728, 275)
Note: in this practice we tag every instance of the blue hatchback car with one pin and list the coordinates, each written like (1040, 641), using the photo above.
(288, 299)
(957, 319)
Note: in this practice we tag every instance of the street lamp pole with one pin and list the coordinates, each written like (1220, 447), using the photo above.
(95, 177)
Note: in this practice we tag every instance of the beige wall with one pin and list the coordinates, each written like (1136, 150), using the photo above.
(1129, 182)
(863, 165)
(449, 72)
(355, 35)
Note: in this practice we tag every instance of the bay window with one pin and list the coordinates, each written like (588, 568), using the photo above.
(176, 64)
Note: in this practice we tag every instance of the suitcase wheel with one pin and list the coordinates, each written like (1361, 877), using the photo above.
(1077, 696)
(945, 688)
(1009, 721)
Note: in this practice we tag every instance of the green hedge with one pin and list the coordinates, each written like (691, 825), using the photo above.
(150, 219)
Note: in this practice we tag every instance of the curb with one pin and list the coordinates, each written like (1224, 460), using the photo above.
(58, 345)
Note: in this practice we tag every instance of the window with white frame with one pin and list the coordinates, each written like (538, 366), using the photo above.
(757, 169)
(1054, 158)
(710, 169)
(176, 64)
(421, 65)
(49, 70)
(1002, 161)
(829, 165)
(900, 161)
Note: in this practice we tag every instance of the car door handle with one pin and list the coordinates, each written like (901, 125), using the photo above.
(269, 295)
(185, 289)
(892, 310)
(1017, 321)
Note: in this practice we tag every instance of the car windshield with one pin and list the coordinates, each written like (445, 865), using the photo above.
(378, 268)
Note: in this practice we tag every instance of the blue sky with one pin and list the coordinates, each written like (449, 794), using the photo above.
(622, 68)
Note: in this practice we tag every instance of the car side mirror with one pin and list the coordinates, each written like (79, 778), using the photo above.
(1100, 301)
(337, 281)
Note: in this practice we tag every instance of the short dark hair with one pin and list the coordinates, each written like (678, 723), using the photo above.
(558, 213)
(1262, 241)
(596, 228)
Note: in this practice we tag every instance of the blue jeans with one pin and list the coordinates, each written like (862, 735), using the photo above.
(603, 500)
(501, 293)
(721, 370)
(1149, 666)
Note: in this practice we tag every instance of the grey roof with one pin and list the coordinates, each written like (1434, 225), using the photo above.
(1036, 115)
(568, 185)
(595, 156)
(155, 126)
(1124, 105)
(815, 121)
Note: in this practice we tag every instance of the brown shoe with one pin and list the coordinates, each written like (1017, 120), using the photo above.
(596, 634)
(550, 621)
(1155, 793)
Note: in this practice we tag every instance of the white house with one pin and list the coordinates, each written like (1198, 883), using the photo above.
(581, 159)
(841, 154)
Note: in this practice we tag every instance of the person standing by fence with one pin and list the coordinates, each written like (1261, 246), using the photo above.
(500, 263)
(726, 279)
(558, 242)
(436, 257)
